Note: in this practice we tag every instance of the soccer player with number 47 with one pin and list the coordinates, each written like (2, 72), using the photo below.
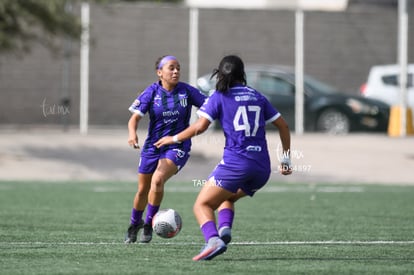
(245, 166)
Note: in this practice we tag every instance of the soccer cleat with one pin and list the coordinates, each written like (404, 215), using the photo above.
(131, 235)
(225, 234)
(213, 248)
(146, 235)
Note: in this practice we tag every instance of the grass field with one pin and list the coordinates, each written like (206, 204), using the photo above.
(78, 228)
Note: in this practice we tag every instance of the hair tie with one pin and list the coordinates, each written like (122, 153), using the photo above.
(165, 59)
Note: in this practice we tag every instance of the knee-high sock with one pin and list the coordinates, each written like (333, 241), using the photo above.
(151, 211)
(136, 216)
(225, 218)
(209, 230)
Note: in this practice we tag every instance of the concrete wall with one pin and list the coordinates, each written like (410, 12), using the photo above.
(128, 38)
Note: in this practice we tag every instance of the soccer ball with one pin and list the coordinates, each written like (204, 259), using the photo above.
(167, 223)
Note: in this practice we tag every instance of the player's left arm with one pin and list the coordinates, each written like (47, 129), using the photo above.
(194, 129)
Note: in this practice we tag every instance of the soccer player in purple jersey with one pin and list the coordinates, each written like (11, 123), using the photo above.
(245, 166)
(168, 103)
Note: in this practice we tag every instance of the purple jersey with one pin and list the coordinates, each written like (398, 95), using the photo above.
(169, 112)
(243, 113)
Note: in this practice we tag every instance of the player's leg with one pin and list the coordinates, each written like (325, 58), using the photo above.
(140, 201)
(166, 169)
(147, 166)
(168, 164)
(225, 216)
(141, 196)
(226, 210)
(208, 200)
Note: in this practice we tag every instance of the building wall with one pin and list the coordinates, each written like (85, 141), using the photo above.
(128, 38)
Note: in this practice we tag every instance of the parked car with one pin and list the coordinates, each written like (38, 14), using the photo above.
(383, 84)
(325, 109)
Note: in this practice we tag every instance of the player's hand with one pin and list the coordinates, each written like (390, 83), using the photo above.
(133, 142)
(285, 169)
(285, 166)
(167, 140)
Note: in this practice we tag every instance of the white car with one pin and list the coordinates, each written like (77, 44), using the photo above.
(383, 84)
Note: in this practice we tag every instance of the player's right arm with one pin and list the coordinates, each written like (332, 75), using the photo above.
(138, 109)
(132, 130)
(284, 133)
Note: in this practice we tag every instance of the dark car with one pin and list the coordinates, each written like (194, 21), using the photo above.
(325, 108)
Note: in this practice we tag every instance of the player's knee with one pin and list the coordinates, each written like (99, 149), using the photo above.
(196, 208)
(202, 204)
(143, 192)
(198, 204)
(157, 185)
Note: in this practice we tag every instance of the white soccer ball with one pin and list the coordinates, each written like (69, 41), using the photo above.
(167, 223)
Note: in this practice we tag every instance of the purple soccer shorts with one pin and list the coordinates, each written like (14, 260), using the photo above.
(247, 175)
(149, 162)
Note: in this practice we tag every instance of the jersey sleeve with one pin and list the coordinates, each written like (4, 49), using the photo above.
(142, 103)
(270, 112)
(211, 107)
(197, 97)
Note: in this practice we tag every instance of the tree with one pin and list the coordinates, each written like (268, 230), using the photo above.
(23, 22)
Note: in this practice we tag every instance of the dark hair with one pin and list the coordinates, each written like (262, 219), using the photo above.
(157, 63)
(229, 72)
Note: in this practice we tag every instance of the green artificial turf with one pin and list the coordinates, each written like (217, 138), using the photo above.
(79, 227)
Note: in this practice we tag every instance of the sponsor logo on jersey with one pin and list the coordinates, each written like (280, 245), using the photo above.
(170, 113)
(170, 120)
(245, 98)
(254, 148)
(136, 103)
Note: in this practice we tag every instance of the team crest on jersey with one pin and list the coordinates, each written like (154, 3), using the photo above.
(183, 99)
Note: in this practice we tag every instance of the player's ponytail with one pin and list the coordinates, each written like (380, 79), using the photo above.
(229, 72)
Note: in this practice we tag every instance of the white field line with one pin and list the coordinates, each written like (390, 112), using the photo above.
(232, 243)
(266, 189)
